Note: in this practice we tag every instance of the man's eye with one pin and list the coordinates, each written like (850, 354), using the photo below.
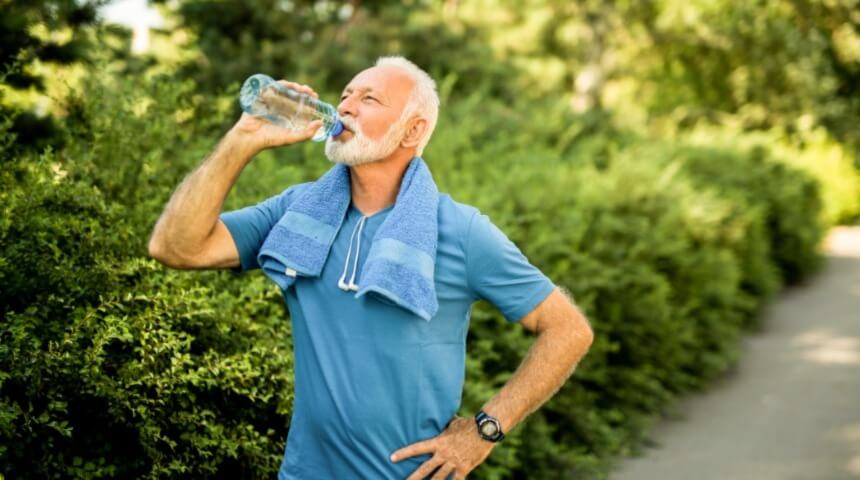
(370, 98)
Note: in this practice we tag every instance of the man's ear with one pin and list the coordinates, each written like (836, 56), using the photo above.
(415, 130)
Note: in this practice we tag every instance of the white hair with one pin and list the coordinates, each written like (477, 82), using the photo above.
(423, 98)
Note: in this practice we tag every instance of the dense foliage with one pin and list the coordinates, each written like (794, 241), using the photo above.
(670, 230)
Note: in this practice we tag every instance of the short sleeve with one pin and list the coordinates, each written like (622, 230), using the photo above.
(250, 225)
(497, 271)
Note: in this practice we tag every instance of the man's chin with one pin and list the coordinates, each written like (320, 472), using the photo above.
(350, 160)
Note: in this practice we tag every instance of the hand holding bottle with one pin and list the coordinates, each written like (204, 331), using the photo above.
(263, 134)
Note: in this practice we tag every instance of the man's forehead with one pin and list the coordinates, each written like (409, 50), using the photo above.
(383, 79)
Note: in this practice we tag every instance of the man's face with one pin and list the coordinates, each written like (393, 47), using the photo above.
(370, 108)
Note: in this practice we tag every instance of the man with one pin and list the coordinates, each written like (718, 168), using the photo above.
(376, 387)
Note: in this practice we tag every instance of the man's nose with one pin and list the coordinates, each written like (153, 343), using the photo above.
(346, 107)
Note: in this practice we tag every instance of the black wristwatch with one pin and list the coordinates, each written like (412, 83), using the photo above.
(489, 427)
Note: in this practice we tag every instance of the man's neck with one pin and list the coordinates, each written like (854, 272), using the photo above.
(375, 185)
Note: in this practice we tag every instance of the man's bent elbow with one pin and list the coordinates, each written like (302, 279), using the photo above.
(160, 253)
(582, 329)
(154, 249)
(157, 247)
(587, 331)
(589, 338)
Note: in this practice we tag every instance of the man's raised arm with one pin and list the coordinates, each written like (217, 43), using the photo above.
(189, 234)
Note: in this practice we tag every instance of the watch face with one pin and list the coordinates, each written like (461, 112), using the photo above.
(489, 429)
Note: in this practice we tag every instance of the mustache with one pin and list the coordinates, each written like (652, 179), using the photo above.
(350, 124)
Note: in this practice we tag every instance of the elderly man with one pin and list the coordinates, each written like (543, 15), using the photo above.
(377, 387)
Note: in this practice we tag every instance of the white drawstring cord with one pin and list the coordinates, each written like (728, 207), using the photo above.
(340, 283)
(352, 284)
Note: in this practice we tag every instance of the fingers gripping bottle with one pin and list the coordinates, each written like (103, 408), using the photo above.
(262, 96)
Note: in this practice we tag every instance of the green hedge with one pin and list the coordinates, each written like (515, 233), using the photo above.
(670, 269)
(113, 366)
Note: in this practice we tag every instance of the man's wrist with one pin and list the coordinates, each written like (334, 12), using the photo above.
(245, 144)
(489, 427)
(503, 413)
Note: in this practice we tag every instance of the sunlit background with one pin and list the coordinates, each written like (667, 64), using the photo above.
(675, 164)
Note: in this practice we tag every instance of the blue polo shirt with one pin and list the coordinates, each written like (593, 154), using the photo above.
(371, 377)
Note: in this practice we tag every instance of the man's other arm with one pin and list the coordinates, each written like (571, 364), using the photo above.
(564, 337)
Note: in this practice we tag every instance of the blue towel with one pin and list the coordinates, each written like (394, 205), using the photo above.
(402, 258)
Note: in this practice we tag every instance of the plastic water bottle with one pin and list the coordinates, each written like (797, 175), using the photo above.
(262, 96)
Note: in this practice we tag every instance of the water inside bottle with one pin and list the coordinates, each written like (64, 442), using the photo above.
(262, 96)
(282, 106)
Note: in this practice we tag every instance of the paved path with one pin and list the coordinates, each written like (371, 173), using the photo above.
(791, 410)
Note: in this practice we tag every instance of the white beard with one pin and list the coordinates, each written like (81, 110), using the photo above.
(359, 149)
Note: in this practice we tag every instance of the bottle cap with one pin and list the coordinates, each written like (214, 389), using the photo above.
(337, 129)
